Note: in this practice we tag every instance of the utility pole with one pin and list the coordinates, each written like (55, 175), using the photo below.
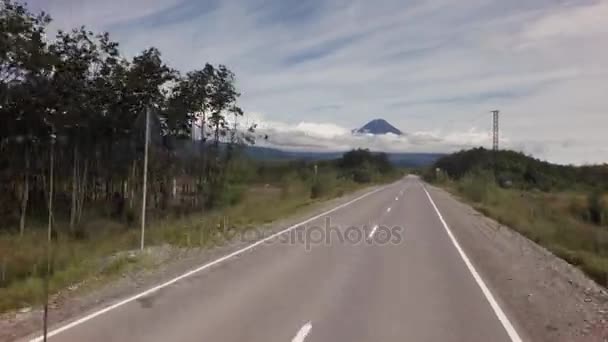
(49, 241)
(495, 131)
(145, 185)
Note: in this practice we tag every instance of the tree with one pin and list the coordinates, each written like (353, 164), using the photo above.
(146, 78)
(79, 59)
(361, 164)
(25, 66)
(78, 87)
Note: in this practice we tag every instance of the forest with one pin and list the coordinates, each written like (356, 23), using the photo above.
(522, 171)
(74, 117)
(75, 107)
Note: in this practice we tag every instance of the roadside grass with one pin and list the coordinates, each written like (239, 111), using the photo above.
(103, 253)
(556, 221)
(24, 264)
(259, 206)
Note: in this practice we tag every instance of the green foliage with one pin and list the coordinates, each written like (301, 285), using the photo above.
(317, 189)
(77, 94)
(265, 192)
(232, 194)
(324, 184)
(597, 208)
(75, 98)
(546, 219)
(478, 186)
(522, 171)
(363, 166)
(557, 221)
(363, 174)
(559, 207)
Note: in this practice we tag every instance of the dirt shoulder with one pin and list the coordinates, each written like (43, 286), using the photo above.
(545, 297)
(163, 263)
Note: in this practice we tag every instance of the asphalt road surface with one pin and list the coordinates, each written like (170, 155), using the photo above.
(417, 286)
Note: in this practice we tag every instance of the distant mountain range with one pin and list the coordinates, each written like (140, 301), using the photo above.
(375, 127)
(378, 127)
(399, 159)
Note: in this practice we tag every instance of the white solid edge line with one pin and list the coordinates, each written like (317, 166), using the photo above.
(371, 234)
(482, 285)
(304, 331)
(201, 268)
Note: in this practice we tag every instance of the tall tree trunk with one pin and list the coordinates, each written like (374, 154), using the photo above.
(174, 188)
(82, 191)
(132, 185)
(25, 192)
(108, 189)
(73, 211)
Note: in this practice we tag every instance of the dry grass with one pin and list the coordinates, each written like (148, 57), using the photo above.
(98, 257)
(553, 220)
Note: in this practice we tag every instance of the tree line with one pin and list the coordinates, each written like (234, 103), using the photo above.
(522, 171)
(75, 98)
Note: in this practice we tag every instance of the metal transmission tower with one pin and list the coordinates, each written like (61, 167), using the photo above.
(495, 131)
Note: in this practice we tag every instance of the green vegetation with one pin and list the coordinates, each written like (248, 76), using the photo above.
(563, 208)
(257, 194)
(523, 172)
(74, 119)
(74, 106)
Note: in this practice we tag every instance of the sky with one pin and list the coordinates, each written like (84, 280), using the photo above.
(310, 71)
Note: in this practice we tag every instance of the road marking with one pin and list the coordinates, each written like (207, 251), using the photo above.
(371, 234)
(388, 210)
(201, 268)
(482, 285)
(397, 198)
(304, 331)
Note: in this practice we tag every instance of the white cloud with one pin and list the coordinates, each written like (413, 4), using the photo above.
(331, 137)
(317, 69)
(99, 15)
(571, 21)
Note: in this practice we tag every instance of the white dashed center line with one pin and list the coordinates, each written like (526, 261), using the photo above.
(371, 234)
(304, 331)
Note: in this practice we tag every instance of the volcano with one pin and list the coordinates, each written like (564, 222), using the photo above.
(378, 127)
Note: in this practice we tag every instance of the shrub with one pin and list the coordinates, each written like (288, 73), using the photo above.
(597, 208)
(323, 185)
(232, 195)
(477, 186)
(316, 189)
(362, 176)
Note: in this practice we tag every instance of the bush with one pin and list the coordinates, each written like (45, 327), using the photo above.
(363, 166)
(316, 190)
(362, 175)
(597, 208)
(323, 186)
(477, 186)
(435, 175)
(232, 195)
(291, 184)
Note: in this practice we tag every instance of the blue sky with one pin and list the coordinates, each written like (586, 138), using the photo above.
(310, 71)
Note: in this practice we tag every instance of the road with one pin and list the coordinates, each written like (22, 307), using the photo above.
(419, 286)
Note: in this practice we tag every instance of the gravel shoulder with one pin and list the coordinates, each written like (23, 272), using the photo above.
(165, 263)
(545, 297)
